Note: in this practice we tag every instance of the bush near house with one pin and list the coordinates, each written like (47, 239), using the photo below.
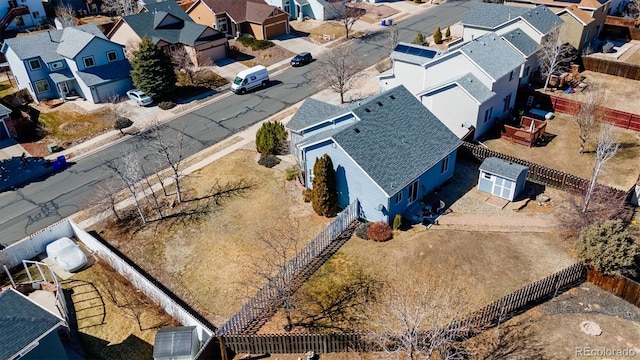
(607, 247)
(447, 33)
(270, 137)
(379, 231)
(255, 44)
(437, 36)
(397, 222)
(361, 230)
(269, 161)
(324, 196)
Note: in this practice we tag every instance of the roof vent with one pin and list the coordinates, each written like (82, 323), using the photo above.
(379, 103)
(356, 130)
(367, 110)
(392, 97)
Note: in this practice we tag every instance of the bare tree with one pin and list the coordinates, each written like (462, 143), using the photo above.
(589, 114)
(633, 9)
(171, 154)
(129, 174)
(606, 149)
(338, 68)
(553, 55)
(183, 64)
(120, 7)
(119, 112)
(417, 321)
(346, 13)
(107, 195)
(66, 14)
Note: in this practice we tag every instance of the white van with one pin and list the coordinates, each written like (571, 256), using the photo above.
(249, 79)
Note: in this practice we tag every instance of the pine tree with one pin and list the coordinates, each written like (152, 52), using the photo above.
(437, 36)
(324, 197)
(270, 137)
(447, 34)
(419, 39)
(152, 70)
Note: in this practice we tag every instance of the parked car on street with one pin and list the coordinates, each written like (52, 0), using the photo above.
(139, 97)
(67, 254)
(301, 59)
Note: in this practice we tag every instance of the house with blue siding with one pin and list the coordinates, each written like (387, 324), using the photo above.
(388, 152)
(437, 78)
(74, 60)
(313, 9)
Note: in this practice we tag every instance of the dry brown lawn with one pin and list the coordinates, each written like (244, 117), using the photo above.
(207, 264)
(561, 153)
(109, 331)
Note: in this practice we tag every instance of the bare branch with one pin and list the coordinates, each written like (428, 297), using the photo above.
(66, 14)
(120, 7)
(346, 13)
(606, 149)
(590, 113)
(553, 55)
(338, 69)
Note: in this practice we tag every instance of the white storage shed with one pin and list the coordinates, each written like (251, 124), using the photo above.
(502, 178)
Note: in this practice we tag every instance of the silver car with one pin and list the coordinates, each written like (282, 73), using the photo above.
(139, 97)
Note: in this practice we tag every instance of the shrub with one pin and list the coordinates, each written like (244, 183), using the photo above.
(437, 36)
(291, 173)
(397, 222)
(270, 137)
(361, 230)
(122, 123)
(420, 40)
(269, 161)
(306, 195)
(166, 105)
(606, 246)
(255, 44)
(379, 231)
(447, 33)
(417, 1)
(324, 197)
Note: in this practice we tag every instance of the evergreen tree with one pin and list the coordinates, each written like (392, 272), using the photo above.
(270, 137)
(152, 70)
(437, 36)
(447, 33)
(420, 40)
(324, 197)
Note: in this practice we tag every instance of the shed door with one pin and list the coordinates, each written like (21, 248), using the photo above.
(502, 188)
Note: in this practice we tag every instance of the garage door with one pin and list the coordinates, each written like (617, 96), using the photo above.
(273, 30)
(214, 53)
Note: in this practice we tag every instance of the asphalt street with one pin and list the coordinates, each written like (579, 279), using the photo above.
(40, 204)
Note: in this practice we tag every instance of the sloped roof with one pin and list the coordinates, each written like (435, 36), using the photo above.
(313, 112)
(502, 168)
(521, 41)
(173, 342)
(97, 75)
(578, 13)
(169, 23)
(542, 19)
(397, 139)
(4, 110)
(471, 84)
(256, 11)
(489, 15)
(492, 55)
(591, 4)
(22, 322)
(414, 54)
(46, 44)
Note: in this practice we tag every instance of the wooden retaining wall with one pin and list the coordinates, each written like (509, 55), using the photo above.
(611, 67)
(621, 286)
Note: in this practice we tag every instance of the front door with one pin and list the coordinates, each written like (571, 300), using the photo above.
(64, 89)
(413, 192)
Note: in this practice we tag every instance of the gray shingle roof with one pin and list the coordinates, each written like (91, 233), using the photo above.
(22, 322)
(313, 112)
(489, 16)
(502, 168)
(543, 19)
(63, 75)
(172, 342)
(73, 41)
(493, 55)
(4, 110)
(46, 44)
(521, 41)
(470, 84)
(101, 74)
(181, 31)
(397, 139)
(414, 54)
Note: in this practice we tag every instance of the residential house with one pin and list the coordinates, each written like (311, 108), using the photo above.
(27, 329)
(75, 60)
(523, 28)
(21, 14)
(171, 29)
(7, 125)
(312, 9)
(583, 19)
(236, 17)
(388, 152)
(82, 7)
(488, 82)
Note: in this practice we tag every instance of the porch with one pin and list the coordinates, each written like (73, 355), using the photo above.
(526, 132)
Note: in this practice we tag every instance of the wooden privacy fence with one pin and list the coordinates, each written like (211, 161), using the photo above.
(614, 117)
(621, 21)
(611, 67)
(298, 343)
(270, 295)
(621, 286)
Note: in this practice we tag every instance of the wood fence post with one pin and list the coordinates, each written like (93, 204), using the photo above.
(223, 349)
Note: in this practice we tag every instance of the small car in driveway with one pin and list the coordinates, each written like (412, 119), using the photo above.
(67, 254)
(139, 97)
(301, 59)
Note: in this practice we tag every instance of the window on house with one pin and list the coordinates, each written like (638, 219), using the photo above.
(172, 48)
(413, 191)
(486, 176)
(445, 165)
(112, 56)
(526, 71)
(398, 197)
(487, 114)
(287, 8)
(34, 64)
(507, 103)
(511, 76)
(57, 65)
(88, 61)
(19, 21)
(35, 14)
(222, 24)
(42, 86)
